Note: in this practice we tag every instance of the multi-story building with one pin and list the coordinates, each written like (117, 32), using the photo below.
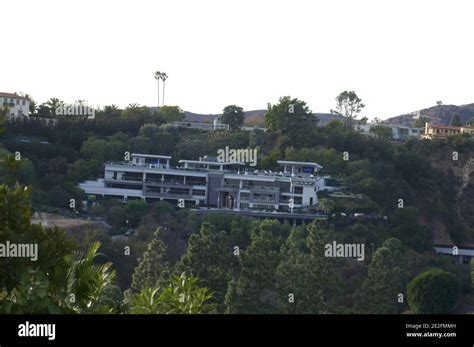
(210, 183)
(443, 131)
(19, 106)
(399, 132)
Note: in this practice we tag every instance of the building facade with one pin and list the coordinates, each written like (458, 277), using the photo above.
(19, 106)
(399, 132)
(443, 131)
(211, 184)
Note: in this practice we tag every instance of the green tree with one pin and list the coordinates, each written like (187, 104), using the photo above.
(208, 258)
(326, 205)
(233, 116)
(381, 132)
(421, 121)
(308, 274)
(179, 295)
(134, 211)
(254, 290)
(348, 105)
(29, 285)
(433, 292)
(456, 120)
(290, 116)
(153, 266)
(172, 113)
(87, 283)
(4, 111)
(386, 279)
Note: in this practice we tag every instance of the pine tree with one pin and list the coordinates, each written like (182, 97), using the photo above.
(153, 267)
(308, 281)
(385, 281)
(210, 260)
(254, 291)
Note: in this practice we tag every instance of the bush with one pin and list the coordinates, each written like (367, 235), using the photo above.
(433, 292)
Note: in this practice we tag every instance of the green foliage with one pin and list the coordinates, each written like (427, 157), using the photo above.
(172, 113)
(387, 278)
(87, 283)
(208, 258)
(456, 120)
(180, 295)
(308, 281)
(103, 150)
(233, 116)
(421, 122)
(15, 227)
(349, 105)
(254, 290)
(433, 292)
(382, 132)
(153, 266)
(84, 169)
(405, 226)
(290, 116)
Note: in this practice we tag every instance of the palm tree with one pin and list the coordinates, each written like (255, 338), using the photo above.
(52, 104)
(164, 76)
(181, 294)
(158, 75)
(326, 205)
(88, 282)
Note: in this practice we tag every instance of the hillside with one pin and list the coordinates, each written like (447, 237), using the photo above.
(253, 117)
(440, 114)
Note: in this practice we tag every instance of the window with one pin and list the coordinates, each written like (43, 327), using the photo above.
(298, 190)
(244, 196)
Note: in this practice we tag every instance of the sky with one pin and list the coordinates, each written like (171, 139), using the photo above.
(398, 56)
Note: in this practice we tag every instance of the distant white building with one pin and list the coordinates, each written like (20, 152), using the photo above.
(19, 106)
(399, 132)
(209, 183)
(216, 125)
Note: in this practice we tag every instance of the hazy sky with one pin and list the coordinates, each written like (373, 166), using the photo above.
(399, 56)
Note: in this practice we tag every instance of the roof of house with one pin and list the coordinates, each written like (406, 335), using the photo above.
(11, 96)
(150, 156)
(302, 163)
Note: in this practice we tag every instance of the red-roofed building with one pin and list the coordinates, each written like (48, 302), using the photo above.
(443, 131)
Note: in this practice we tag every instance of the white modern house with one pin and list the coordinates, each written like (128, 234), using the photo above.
(210, 183)
(460, 255)
(399, 132)
(19, 106)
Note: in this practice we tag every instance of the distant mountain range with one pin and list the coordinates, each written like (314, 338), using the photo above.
(440, 114)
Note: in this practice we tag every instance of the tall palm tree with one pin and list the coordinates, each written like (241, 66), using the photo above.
(52, 104)
(164, 76)
(158, 75)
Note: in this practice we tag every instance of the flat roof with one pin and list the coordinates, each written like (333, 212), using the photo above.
(151, 156)
(206, 162)
(389, 125)
(303, 163)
